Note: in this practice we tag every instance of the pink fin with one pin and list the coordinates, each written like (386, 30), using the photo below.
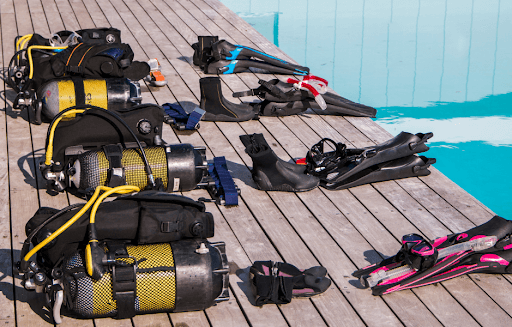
(494, 258)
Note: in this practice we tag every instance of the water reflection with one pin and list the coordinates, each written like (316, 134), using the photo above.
(494, 131)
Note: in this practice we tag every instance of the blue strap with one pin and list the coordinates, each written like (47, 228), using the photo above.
(224, 183)
(194, 118)
(182, 120)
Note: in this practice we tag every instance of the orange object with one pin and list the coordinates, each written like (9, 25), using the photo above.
(157, 76)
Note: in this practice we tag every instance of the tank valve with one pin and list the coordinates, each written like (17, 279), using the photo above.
(202, 249)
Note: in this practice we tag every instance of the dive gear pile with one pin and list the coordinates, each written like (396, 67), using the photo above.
(146, 253)
(483, 249)
(278, 99)
(278, 282)
(216, 56)
(95, 54)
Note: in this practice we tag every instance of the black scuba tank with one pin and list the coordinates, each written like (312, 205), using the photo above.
(111, 94)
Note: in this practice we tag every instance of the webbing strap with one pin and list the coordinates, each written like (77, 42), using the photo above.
(124, 287)
(223, 181)
(114, 154)
(78, 84)
(194, 118)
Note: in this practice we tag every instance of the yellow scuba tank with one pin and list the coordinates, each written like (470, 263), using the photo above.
(180, 167)
(179, 276)
(111, 94)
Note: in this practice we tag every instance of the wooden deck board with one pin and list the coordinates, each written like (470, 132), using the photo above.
(7, 305)
(342, 230)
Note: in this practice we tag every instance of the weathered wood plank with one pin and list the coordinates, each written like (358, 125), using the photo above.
(189, 319)
(7, 309)
(82, 15)
(24, 199)
(153, 320)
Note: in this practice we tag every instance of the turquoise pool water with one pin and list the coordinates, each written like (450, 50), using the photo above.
(440, 66)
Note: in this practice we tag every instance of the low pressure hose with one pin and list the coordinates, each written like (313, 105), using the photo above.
(93, 252)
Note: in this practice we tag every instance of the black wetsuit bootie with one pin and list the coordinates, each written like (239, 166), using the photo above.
(272, 173)
(217, 107)
(279, 282)
(203, 50)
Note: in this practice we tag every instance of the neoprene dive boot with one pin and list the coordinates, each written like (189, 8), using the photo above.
(272, 173)
(217, 107)
(279, 282)
(203, 50)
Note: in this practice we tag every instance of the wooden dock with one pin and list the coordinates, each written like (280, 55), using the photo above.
(341, 230)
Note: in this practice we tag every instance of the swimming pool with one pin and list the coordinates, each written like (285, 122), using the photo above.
(438, 65)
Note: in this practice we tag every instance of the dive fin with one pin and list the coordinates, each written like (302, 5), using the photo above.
(345, 166)
(411, 166)
(267, 108)
(223, 50)
(487, 257)
(238, 66)
(282, 98)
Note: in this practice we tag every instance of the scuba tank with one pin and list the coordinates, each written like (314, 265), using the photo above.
(95, 54)
(111, 94)
(149, 255)
(180, 167)
(187, 275)
(91, 147)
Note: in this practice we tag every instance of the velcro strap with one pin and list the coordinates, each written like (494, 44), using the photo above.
(181, 119)
(244, 94)
(170, 227)
(124, 288)
(194, 118)
(223, 181)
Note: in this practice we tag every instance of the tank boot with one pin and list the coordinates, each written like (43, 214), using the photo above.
(217, 107)
(272, 173)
